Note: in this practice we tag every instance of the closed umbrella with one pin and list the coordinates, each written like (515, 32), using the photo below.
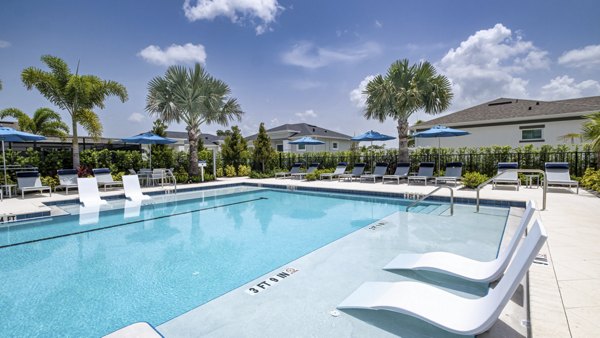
(149, 139)
(440, 131)
(10, 135)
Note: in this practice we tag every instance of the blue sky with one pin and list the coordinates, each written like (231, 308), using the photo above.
(304, 61)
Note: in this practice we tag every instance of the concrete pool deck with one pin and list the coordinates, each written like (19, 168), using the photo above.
(563, 296)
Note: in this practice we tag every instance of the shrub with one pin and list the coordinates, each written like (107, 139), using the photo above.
(257, 174)
(181, 175)
(243, 170)
(198, 178)
(220, 172)
(230, 171)
(473, 179)
(50, 181)
(591, 179)
(117, 176)
(316, 174)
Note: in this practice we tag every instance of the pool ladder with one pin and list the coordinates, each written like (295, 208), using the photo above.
(536, 171)
(431, 193)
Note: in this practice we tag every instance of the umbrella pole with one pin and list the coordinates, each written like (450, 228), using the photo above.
(150, 147)
(4, 165)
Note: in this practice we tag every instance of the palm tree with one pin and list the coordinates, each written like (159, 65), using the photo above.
(78, 94)
(404, 90)
(193, 97)
(591, 132)
(45, 122)
(570, 137)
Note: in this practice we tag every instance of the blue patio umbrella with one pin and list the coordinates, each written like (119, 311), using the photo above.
(307, 140)
(372, 136)
(150, 139)
(10, 135)
(440, 131)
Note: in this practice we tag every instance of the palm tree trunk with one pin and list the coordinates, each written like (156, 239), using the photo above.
(402, 140)
(75, 144)
(193, 141)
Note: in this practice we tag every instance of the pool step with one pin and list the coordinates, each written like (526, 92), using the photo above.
(432, 209)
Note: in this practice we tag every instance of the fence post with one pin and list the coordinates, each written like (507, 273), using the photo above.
(577, 163)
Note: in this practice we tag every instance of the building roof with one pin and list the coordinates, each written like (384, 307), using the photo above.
(296, 130)
(183, 135)
(509, 109)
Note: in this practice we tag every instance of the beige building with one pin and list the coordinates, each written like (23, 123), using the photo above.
(514, 122)
(282, 135)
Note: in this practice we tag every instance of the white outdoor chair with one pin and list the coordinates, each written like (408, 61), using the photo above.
(453, 313)
(311, 168)
(88, 192)
(463, 267)
(295, 169)
(425, 173)
(340, 169)
(105, 179)
(67, 179)
(508, 177)
(557, 173)
(453, 173)
(357, 171)
(133, 191)
(401, 172)
(380, 170)
(30, 181)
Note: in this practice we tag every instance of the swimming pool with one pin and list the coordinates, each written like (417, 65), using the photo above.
(155, 262)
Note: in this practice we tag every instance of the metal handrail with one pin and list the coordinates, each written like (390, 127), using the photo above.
(544, 187)
(431, 193)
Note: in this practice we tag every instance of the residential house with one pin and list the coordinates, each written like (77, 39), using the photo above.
(514, 122)
(210, 141)
(282, 135)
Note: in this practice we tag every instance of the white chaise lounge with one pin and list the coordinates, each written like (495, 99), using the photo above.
(453, 173)
(67, 179)
(557, 173)
(30, 181)
(89, 194)
(508, 177)
(463, 267)
(133, 191)
(340, 169)
(105, 179)
(453, 313)
(311, 168)
(357, 171)
(380, 170)
(401, 172)
(295, 169)
(424, 174)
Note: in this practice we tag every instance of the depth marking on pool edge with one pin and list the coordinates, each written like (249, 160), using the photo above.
(271, 281)
(129, 223)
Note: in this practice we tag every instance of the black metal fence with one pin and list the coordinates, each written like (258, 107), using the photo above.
(484, 163)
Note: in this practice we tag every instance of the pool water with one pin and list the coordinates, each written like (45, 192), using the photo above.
(80, 275)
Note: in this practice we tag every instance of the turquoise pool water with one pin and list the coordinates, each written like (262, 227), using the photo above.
(64, 278)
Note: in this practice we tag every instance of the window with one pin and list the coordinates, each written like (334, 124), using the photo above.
(334, 146)
(301, 147)
(531, 134)
(280, 147)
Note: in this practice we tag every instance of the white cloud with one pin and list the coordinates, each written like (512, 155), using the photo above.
(306, 54)
(136, 117)
(174, 54)
(485, 65)
(378, 24)
(356, 95)
(4, 44)
(565, 87)
(238, 11)
(274, 122)
(306, 114)
(588, 56)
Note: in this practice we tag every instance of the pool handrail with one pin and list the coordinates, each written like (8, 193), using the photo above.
(537, 171)
(431, 193)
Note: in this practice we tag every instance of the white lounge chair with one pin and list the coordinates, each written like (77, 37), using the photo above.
(30, 181)
(357, 171)
(133, 191)
(401, 172)
(446, 310)
(105, 178)
(340, 169)
(311, 168)
(380, 170)
(463, 267)
(295, 169)
(557, 173)
(453, 173)
(425, 173)
(88, 192)
(509, 177)
(89, 214)
(67, 179)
